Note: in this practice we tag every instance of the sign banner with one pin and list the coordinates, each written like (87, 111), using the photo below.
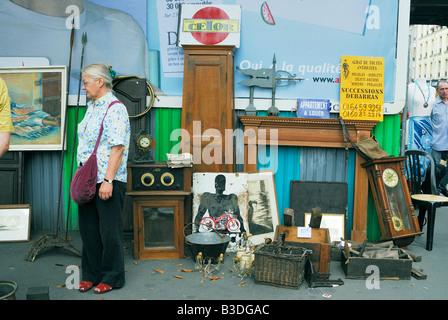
(308, 38)
(209, 25)
(362, 88)
(313, 108)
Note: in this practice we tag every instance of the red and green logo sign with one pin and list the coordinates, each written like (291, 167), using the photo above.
(210, 25)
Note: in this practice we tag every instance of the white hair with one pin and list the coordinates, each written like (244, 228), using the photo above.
(99, 70)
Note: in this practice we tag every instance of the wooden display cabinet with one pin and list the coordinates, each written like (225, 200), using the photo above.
(159, 224)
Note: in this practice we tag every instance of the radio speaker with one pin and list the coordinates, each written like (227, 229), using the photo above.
(155, 177)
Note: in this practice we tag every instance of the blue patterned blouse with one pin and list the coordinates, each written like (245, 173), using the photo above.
(117, 131)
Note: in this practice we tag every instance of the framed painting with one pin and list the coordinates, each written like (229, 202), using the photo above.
(15, 223)
(38, 106)
(262, 213)
(235, 203)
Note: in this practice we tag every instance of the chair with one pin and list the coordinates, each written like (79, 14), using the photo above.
(416, 163)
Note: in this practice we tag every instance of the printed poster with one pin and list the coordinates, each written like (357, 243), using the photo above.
(362, 88)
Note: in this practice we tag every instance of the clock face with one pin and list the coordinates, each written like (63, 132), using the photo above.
(144, 142)
(390, 177)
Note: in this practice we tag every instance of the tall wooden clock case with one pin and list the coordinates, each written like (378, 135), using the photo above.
(208, 103)
(392, 200)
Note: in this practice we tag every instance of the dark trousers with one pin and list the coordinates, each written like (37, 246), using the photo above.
(100, 226)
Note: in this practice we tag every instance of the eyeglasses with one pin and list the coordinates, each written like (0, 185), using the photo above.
(85, 83)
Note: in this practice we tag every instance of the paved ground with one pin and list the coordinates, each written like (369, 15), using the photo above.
(143, 283)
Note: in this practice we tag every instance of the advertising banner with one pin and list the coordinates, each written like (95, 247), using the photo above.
(362, 88)
(307, 37)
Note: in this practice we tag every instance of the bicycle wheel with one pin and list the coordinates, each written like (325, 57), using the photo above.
(233, 225)
(207, 224)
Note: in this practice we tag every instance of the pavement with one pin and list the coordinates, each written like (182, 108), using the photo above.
(164, 279)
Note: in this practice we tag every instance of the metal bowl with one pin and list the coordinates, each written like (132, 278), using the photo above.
(211, 244)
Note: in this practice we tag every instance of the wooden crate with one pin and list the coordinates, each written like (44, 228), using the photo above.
(389, 269)
(319, 242)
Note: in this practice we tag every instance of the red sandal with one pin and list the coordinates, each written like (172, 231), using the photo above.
(85, 286)
(102, 288)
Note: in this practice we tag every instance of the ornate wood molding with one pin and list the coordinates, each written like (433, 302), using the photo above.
(308, 132)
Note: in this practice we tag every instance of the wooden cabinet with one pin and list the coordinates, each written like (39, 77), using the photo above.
(208, 107)
(158, 224)
(160, 207)
(11, 176)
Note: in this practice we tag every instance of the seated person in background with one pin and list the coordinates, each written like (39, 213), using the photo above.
(441, 180)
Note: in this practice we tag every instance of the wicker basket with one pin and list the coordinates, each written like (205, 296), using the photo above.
(280, 265)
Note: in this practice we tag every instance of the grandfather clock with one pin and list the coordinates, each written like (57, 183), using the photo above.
(208, 107)
(392, 200)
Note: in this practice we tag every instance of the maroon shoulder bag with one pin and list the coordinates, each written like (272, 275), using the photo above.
(83, 184)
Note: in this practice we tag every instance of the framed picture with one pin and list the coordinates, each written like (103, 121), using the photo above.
(220, 202)
(234, 203)
(38, 106)
(262, 213)
(334, 222)
(15, 223)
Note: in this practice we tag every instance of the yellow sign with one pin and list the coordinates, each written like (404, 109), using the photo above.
(362, 88)
(210, 25)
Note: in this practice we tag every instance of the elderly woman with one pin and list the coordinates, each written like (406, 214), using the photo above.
(100, 222)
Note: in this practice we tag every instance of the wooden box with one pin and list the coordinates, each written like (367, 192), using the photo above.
(388, 269)
(319, 242)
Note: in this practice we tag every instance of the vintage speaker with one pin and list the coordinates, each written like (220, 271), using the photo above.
(157, 177)
(161, 198)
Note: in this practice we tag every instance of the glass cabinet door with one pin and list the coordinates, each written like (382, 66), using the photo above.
(158, 227)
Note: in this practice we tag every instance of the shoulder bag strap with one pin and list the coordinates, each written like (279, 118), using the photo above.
(101, 128)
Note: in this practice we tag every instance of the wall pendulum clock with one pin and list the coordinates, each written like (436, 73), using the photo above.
(392, 200)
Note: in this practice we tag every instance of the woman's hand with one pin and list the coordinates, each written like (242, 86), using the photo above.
(105, 192)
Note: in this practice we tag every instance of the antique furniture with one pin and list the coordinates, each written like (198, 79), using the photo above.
(417, 162)
(312, 133)
(161, 198)
(11, 175)
(208, 107)
(392, 200)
